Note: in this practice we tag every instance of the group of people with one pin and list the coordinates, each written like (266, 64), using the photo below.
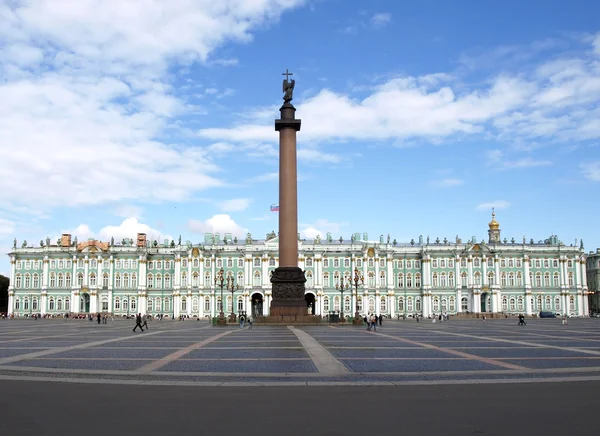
(372, 320)
(141, 322)
(243, 320)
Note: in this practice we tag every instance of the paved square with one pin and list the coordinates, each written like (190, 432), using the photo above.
(400, 351)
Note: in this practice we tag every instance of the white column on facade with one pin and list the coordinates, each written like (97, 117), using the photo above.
(390, 274)
(100, 271)
(45, 273)
(11, 286)
(111, 273)
(248, 272)
(377, 282)
(201, 272)
(484, 279)
(528, 306)
(86, 270)
(177, 278)
(266, 304)
(563, 273)
(74, 277)
(583, 272)
(458, 283)
(470, 276)
(213, 286)
(265, 272)
(391, 309)
(578, 282)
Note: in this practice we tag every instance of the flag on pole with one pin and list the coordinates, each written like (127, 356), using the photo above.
(275, 207)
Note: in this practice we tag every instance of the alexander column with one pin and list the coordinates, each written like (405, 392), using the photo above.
(287, 279)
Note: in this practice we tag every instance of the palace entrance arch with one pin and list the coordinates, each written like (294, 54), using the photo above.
(257, 304)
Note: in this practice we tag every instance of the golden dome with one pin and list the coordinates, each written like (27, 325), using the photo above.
(494, 225)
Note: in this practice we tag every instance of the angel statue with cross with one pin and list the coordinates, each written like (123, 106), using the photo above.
(288, 87)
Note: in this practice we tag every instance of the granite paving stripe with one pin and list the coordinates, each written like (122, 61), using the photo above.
(153, 366)
(248, 353)
(299, 347)
(456, 353)
(533, 344)
(421, 353)
(517, 353)
(324, 361)
(418, 365)
(241, 366)
(572, 364)
(257, 344)
(8, 352)
(118, 364)
(242, 359)
(98, 353)
(14, 359)
(157, 343)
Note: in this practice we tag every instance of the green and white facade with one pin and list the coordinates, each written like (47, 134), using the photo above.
(174, 278)
(593, 279)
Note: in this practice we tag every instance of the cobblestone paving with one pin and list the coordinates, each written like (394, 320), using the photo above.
(174, 352)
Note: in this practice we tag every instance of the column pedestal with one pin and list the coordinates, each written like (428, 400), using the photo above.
(288, 292)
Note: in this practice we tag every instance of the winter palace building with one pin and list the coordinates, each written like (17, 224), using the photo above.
(357, 275)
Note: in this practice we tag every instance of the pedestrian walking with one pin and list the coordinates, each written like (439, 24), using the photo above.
(250, 322)
(98, 316)
(242, 321)
(145, 323)
(138, 322)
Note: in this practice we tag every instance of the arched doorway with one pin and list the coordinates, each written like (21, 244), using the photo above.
(484, 302)
(257, 304)
(310, 303)
(84, 306)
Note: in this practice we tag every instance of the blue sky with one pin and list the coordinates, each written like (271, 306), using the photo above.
(418, 117)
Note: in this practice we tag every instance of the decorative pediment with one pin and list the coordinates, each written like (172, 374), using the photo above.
(92, 246)
(477, 249)
(273, 241)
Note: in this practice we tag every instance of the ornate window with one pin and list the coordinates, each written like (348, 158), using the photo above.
(229, 262)
(336, 303)
(149, 281)
(61, 282)
(27, 281)
(94, 263)
(93, 280)
(519, 279)
(51, 304)
(504, 304)
(207, 281)
(434, 263)
(18, 281)
(346, 263)
(133, 303)
(371, 280)
(309, 262)
(240, 263)
(556, 280)
(36, 280)
(240, 304)
(207, 304)
(52, 281)
(400, 304)
(184, 279)
(195, 263)
(557, 303)
(520, 303)
(464, 304)
(511, 279)
(436, 304)
(409, 304)
(444, 304)
(511, 263)
(383, 305)
(451, 280)
(207, 263)
(571, 279)
(336, 263)
(476, 262)
(443, 282)
(80, 279)
(400, 280)
(452, 304)
(463, 279)
(257, 262)
(371, 305)
(183, 304)
(547, 280)
(167, 281)
(359, 305)
(256, 282)
(240, 279)
(409, 280)
(117, 303)
(503, 280)
(435, 280)
(118, 280)
(326, 304)
(309, 280)
(548, 303)
(271, 261)
(572, 303)
(491, 278)
(195, 280)
(134, 280)
(382, 278)
(417, 280)
(512, 304)
(478, 278)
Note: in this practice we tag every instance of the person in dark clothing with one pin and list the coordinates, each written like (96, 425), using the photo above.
(138, 322)
(522, 319)
(380, 319)
(145, 323)
(98, 317)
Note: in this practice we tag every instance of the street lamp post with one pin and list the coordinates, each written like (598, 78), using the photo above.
(357, 278)
(231, 287)
(220, 281)
(341, 288)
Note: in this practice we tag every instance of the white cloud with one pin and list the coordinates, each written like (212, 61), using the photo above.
(321, 227)
(446, 183)
(497, 204)
(591, 170)
(552, 101)
(86, 94)
(235, 204)
(129, 228)
(497, 158)
(126, 211)
(221, 224)
(380, 20)
(7, 228)
(267, 177)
